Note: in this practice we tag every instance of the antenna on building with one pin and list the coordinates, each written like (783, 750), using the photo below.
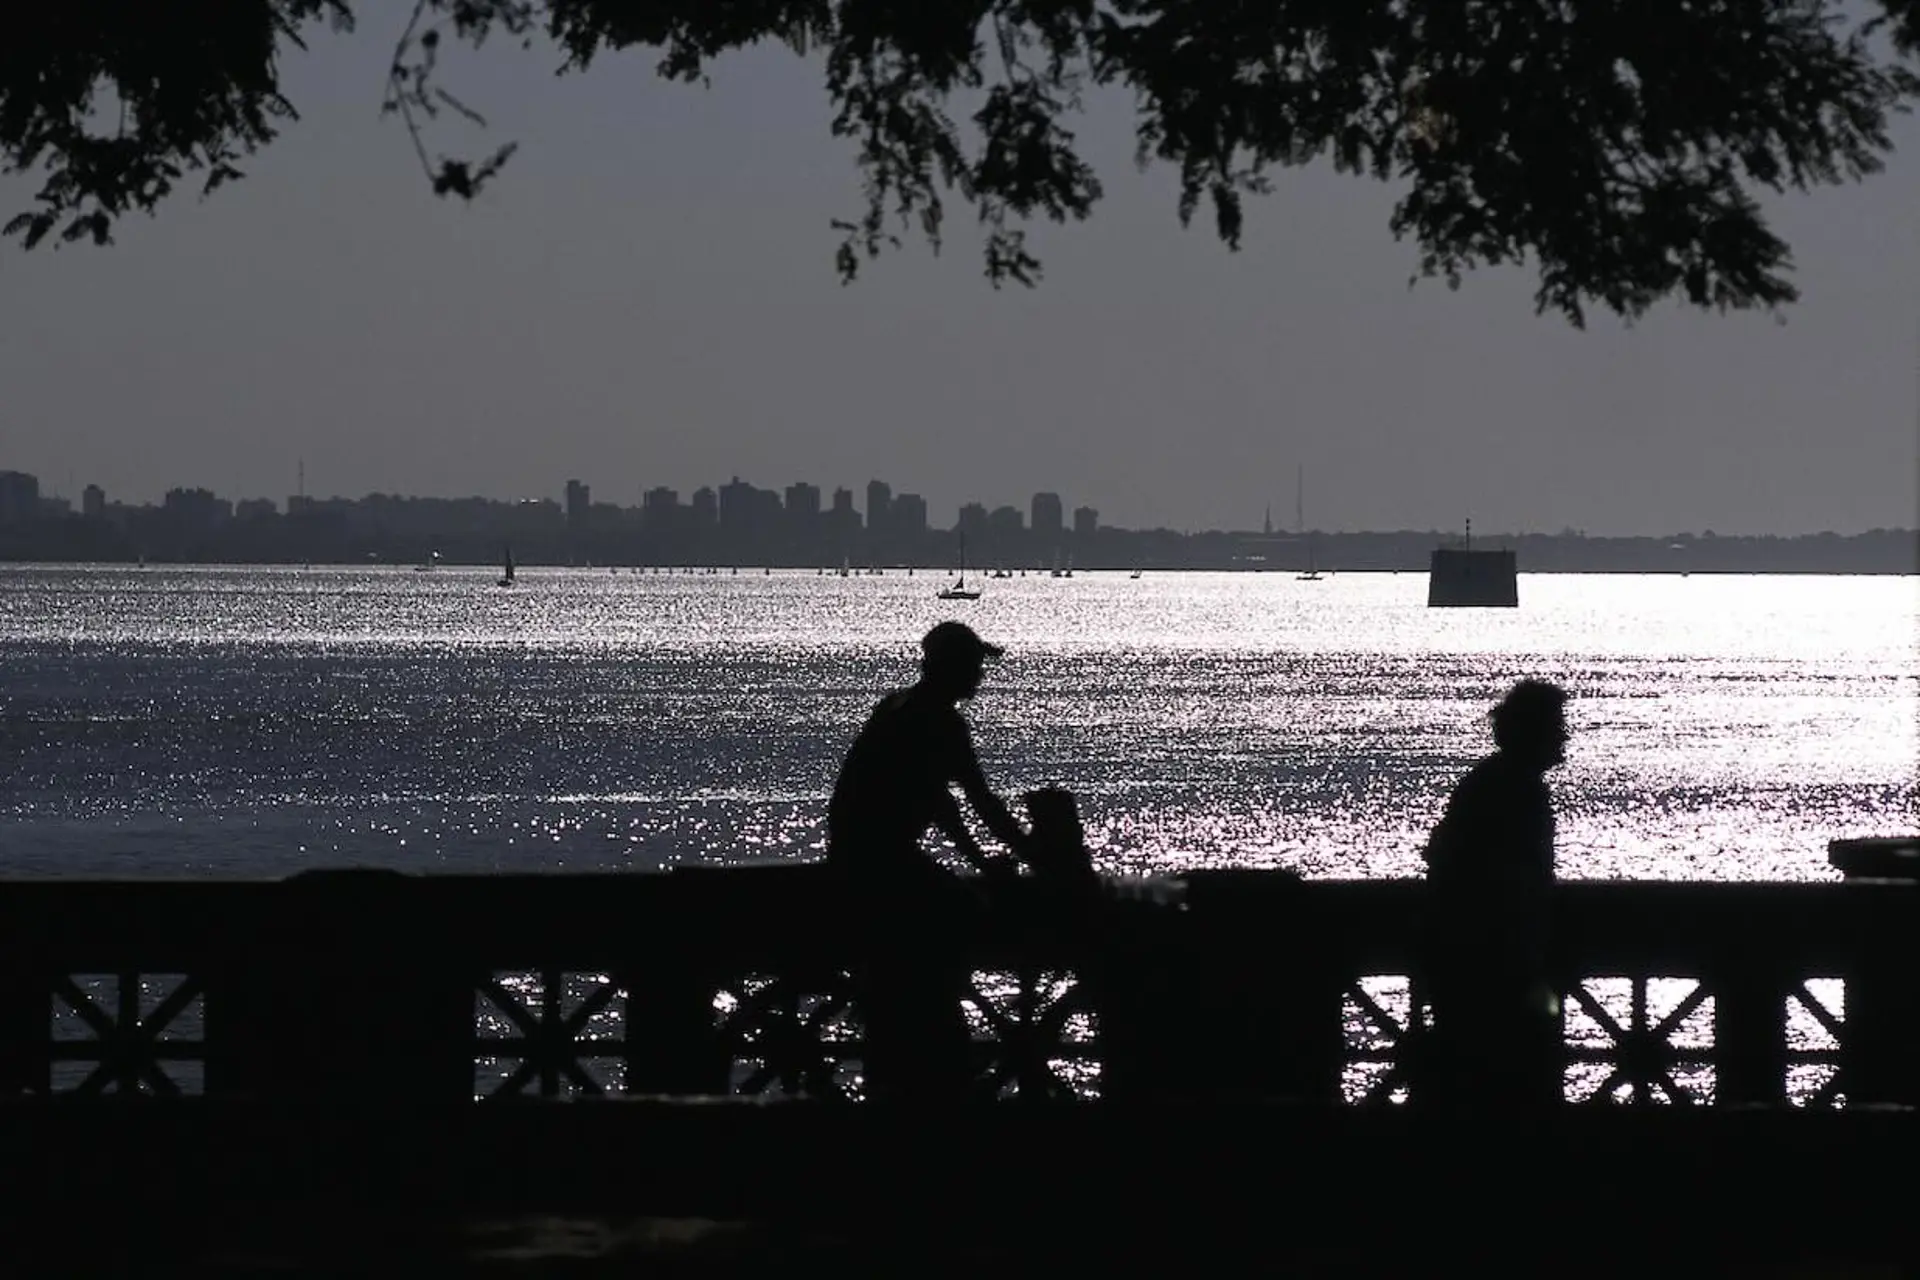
(1469, 533)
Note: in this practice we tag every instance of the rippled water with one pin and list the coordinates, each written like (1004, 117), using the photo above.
(257, 721)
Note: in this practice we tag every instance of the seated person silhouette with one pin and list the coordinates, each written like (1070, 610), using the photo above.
(911, 915)
(1496, 1035)
(1056, 845)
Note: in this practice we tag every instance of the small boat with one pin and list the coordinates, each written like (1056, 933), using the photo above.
(506, 572)
(960, 590)
(1313, 573)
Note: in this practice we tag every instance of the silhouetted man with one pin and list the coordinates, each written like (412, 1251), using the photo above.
(1490, 865)
(895, 784)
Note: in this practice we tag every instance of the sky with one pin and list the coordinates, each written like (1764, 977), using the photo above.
(646, 296)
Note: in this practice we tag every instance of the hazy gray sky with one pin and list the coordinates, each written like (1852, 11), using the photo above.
(647, 296)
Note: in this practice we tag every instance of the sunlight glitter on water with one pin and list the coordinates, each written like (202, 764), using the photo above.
(1724, 727)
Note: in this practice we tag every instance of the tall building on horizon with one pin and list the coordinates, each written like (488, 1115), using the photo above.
(803, 500)
(1048, 518)
(19, 497)
(909, 514)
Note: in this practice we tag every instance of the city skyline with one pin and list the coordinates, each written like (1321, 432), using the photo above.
(741, 524)
(1272, 519)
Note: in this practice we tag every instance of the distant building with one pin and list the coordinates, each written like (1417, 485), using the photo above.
(536, 517)
(747, 510)
(197, 509)
(256, 509)
(879, 499)
(843, 520)
(705, 508)
(19, 497)
(579, 504)
(1007, 522)
(659, 508)
(973, 520)
(93, 502)
(735, 500)
(55, 508)
(1086, 522)
(803, 500)
(1047, 518)
(909, 514)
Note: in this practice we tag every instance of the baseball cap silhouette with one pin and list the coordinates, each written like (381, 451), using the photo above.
(956, 642)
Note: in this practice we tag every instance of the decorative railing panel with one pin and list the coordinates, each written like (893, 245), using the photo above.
(1638, 1040)
(1038, 1034)
(126, 1033)
(1816, 1028)
(791, 1036)
(550, 1033)
(1381, 1024)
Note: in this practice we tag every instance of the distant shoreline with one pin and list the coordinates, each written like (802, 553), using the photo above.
(550, 539)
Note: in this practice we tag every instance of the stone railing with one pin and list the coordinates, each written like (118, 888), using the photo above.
(730, 981)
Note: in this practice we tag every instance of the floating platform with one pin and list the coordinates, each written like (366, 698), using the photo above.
(1459, 578)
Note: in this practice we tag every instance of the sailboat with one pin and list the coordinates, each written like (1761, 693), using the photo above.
(506, 573)
(1312, 574)
(960, 590)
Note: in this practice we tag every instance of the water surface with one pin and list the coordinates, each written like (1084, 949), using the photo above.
(261, 720)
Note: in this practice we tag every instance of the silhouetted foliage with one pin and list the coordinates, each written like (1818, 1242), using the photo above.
(1618, 145)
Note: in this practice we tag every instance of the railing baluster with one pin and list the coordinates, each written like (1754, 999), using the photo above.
(1750, 1033)
(673, 1046)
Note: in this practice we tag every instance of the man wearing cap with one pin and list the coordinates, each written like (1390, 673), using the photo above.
(895, 784)
(1490, 875)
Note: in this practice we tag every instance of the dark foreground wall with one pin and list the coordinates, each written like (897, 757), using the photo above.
(337, 1029)
(306, 1188)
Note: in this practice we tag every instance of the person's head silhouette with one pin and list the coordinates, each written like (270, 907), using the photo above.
(952, 658)
(1530, 724)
